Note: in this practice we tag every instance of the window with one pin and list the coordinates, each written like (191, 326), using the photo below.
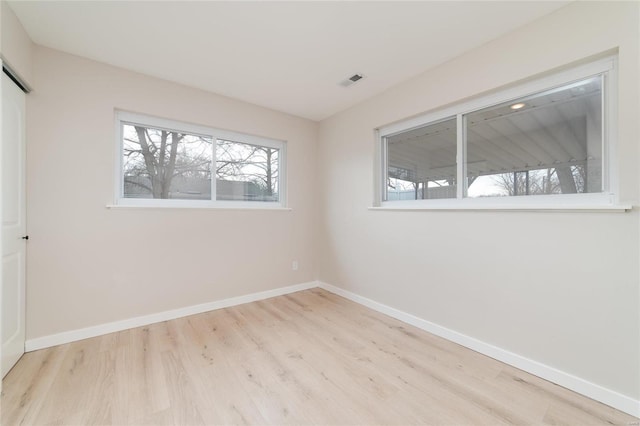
(422, 162)
(246, 172)
(165, 163)
(544, 142)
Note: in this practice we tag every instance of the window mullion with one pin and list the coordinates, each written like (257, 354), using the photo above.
(385, 171)
(460, 157)
(214, 163)
(605, 133)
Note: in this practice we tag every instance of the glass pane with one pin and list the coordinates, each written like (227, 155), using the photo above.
(166, 164)
(548, 143)
(246, 172)
(422, 162)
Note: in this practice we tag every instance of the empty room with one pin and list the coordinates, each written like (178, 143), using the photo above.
(320, 212)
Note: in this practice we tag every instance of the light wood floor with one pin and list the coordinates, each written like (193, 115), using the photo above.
(306, 358)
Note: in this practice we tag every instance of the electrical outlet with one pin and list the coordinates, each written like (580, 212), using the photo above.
(294, 265)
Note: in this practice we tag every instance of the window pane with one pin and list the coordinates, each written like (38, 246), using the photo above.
(246, 172)
(548, 143)
(422, 162)
(166, 164)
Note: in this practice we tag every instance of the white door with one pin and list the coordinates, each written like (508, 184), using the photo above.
(13, 224)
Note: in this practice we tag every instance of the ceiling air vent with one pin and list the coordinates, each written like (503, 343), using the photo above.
(354, 78)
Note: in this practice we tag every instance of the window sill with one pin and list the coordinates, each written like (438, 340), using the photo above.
(586, 208)
(195, 207)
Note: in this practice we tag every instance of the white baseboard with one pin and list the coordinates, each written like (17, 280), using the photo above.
(99, 330)
(569, 381)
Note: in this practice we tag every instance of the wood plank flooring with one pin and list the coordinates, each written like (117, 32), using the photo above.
(306, 358)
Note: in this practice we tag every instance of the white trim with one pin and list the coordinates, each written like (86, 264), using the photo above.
(111, 327)
(610, 117)
(196, 204)
(383, 145)
(569, 381)
(118, 188)
(585, 208)
(379, 178)
(283, 188)
(243, 138)
(595, 201)
(162, 123)
(239, 205)
(461, 155)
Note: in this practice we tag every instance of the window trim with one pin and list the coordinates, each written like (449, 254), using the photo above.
(607, 200)
(174, 125)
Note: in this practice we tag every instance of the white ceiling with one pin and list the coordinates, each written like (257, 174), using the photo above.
(288, 56)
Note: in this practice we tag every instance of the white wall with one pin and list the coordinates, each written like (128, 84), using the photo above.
(15, 45)
(88, 265)
(559, 288)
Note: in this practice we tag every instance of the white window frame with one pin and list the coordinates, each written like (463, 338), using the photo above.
(608, 199)
(123, 117)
